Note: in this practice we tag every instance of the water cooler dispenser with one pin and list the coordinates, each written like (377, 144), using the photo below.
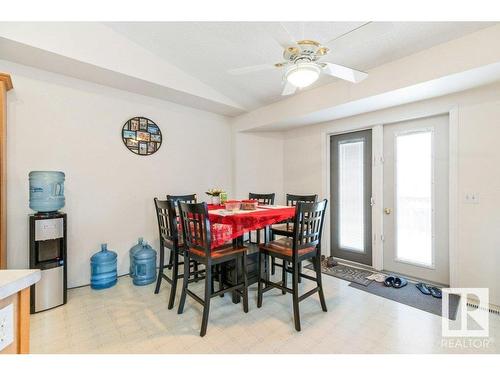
(48, 253)
(47, 231)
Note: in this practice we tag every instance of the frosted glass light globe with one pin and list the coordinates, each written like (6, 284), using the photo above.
(302, 75)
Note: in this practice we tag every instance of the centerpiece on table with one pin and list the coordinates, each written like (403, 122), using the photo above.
(217, 196)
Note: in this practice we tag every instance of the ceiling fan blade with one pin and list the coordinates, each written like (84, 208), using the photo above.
(283, 37)
(288, 89)
(343, 72)
(251, 69)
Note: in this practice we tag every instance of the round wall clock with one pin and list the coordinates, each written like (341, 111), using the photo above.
(141, 136)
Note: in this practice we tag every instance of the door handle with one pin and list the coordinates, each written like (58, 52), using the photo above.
(387, 211)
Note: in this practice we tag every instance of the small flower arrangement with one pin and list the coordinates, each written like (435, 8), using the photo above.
(214, 192)
(215, 195)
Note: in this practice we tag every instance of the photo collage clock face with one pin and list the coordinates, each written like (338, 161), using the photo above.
(141, 136)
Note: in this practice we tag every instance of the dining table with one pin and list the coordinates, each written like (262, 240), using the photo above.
(234, 225)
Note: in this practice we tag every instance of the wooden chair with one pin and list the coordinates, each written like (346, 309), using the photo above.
(263, 199)
(303, 245)
(170, 239)
(188, 198)
(197, 234)
(286, 228)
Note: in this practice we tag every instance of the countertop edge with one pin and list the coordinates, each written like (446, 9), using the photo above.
(17, 280)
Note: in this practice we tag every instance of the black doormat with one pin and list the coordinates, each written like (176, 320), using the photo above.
(411, 296)
(341, 271)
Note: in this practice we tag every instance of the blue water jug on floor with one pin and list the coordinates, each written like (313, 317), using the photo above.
(144, 265)
(46, 191)
(132, 251)
(103, 269)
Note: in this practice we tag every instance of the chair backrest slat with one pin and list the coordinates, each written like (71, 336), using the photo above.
(308, 224)
(293, 199)
(187, 198)
(195, 226)
(167, 221)
(265, 199)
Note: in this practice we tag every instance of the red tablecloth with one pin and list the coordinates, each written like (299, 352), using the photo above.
(226, 227)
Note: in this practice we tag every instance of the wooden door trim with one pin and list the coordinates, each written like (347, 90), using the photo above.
(5, 78)
(5, 85)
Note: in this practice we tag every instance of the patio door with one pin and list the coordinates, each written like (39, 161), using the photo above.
(416, 198)
(351, 192)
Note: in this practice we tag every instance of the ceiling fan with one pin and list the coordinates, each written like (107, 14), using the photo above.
(303, 65)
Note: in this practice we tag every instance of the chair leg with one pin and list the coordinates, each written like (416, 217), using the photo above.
(195, 268)
(245, 282)
(259, 280)
(212, 286)
(300, 270)
(273, 260)
(267, 264)
(221, 286)
(295, 288)
(283, 276)
(206, 301)
(160, 269)
(175, 272)
(170, 260)
(317, 266)
(185, 280)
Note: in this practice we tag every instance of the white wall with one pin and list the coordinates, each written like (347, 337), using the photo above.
(303, 161)
(478, 244)
(479, 172)
(258, 164)
(60, 123)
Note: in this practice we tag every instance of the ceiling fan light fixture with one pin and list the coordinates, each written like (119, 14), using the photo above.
(303, 74)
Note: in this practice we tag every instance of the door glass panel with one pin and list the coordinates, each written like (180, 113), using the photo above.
(351, 195)
(414, 197)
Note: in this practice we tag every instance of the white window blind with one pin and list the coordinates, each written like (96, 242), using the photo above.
(414, 166)
(351, 195)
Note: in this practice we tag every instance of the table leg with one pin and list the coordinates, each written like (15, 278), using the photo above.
(234, 295)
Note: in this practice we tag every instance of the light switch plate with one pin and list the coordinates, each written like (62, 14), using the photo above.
(6, 326)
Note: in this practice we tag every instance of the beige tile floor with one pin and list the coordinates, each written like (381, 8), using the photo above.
(130, 319)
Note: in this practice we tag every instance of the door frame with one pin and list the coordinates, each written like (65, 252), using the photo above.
(378, 181)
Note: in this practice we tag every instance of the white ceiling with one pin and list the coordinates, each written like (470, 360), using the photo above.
(207, 50)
